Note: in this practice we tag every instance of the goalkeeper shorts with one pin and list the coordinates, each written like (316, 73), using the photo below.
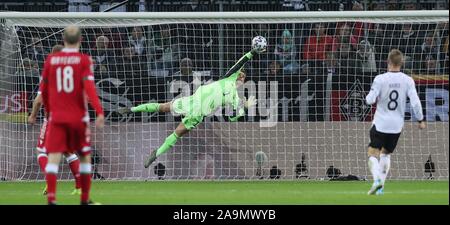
(191, 122)
(191, 115)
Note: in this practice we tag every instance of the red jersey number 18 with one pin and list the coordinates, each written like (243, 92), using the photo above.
(64, 79)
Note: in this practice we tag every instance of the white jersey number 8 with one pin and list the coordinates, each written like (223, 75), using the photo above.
(64, 80)
(393, 104)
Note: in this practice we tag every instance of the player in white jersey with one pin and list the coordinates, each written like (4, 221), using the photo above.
(389, 91)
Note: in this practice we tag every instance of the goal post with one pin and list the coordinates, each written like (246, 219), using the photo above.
(311, 115)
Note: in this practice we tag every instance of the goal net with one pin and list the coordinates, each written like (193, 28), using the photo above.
(311, 121)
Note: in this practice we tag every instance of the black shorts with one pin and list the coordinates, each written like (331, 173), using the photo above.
(380, 140)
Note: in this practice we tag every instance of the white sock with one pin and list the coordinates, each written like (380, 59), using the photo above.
(51, 168)
(374, 167)
(71, 158)
(85, 168)
(385, 165)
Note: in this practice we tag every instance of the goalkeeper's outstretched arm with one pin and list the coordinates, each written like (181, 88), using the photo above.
(241, 62)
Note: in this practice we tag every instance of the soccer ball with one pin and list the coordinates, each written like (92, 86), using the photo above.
(259, 42)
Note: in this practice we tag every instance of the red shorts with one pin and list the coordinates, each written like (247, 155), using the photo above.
(68, 138)
(41, 142)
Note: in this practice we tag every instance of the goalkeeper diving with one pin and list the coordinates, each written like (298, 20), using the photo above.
(206, 100)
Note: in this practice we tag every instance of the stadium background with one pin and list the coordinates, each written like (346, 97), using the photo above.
(350, 80)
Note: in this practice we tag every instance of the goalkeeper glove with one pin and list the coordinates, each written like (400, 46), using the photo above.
(250, 102)
(258, 50)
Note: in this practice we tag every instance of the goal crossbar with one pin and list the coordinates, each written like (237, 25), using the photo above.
(438, 14)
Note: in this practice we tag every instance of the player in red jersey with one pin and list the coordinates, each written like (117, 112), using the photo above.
(72, 159)
(66, 79)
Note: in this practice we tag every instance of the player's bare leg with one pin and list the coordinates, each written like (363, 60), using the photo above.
(385, 165)
(374, 168)
(164, 107)
(74, 164)
(168, 143)
(51, 171)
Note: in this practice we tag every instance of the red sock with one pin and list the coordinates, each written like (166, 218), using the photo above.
(51, 187)
(75, 168)
(85, 187)
(42, 160)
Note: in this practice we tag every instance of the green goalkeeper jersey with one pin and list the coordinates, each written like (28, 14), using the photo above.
(209, 98)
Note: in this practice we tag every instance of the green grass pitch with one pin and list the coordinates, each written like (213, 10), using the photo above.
(235, 192)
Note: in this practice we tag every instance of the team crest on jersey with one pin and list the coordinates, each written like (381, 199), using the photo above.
(353, 106)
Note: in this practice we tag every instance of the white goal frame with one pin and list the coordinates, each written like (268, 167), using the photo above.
(120, 19)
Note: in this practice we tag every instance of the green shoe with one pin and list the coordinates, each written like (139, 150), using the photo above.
(44, 192)
(150, 159)
(76, 191)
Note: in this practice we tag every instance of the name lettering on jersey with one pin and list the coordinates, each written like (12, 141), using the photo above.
(57, 60)
(394, 85)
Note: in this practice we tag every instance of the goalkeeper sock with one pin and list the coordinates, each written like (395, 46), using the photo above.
(385, 165)
(149, 107)
(168, 143)
(374, 167)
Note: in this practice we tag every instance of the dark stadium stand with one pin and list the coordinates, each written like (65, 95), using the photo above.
(222, 5)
